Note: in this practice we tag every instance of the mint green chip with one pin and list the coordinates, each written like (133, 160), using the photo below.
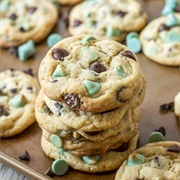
(134, 45)
(56, 140)
(172, 3)
(172, 20)
(59, 167)
(53, 39)
(25, 26)
(19, 101)
(166, 10)
(135, 159)
(91, 159)
(26, 50)
(173, 36)
(112, 32)
(92, 87)
(4, 6)
(59, 72)
(156, 137)
(120, 71)
(131, 35)
(86, 40)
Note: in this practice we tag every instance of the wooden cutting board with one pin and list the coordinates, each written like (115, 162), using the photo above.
(163, 83)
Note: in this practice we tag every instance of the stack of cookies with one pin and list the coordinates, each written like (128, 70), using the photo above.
(88, 105)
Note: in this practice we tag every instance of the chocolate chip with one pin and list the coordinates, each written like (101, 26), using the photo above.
(128, 54)
(175, 149)
(122, 148)
(30, 89)
(58, 106)
(139, 179)
(161, 130)
(120, 13)
(118, 95)
(31, 10)
(13, 51)
(97, 67)
(59, 54)
(54, 81)
(72, 100)
(1, 93)
(177, 8)
(167, 107)
(28, 71)
(47, 110)
(13, 17)
(25, 156)
(22, 29)
(3, 111)
(163, 27)
(13, 90)
(93, 133)
(77, 23)
(50, 173)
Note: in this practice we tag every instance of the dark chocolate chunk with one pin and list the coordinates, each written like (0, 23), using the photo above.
(161, 130)
(3, 112)
(30, 89)
(93, 133)
(77, 23)
(128, 54)
(54, 81)
(118, 95)
(167, 107)
(28, 71)
(122, 148)
(31, 10)
(25, 156)
(120, 13)
(177, 8)
(72, 100)
(50, 173)
(163, 27)
(47, 110)
(13, 51)
(13, 90)
(97, 67)
(59, 54)
(13, 17)
(59, 107)
(139, 179)
(175, 149)
(22, 29)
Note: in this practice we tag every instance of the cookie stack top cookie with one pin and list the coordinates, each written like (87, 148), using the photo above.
(91, 73)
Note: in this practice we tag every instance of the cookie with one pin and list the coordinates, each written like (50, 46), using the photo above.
(75, 119)
(99, 142)
(161, 40)
(90, 164)
(19, 21)
(177, 104)
(91, 74)
(18, 92)
(153, 161)
(112, 19)
(69, 2)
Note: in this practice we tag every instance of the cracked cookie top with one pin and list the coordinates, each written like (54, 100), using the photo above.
(91, 74)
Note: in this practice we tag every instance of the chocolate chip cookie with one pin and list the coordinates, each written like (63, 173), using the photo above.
(91, 73)
(112, 19)
(161, 40)
(21, 21)
(153, 161)
(18, 92)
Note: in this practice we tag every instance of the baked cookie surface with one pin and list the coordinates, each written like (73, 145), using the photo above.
(159, 160)
(161, 40)
(112, 19)
(69, 2)
(90, 73)
(18, 92)
(21, 21)
(90, 164)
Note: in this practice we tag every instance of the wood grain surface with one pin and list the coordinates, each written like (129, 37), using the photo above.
(163, 83)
